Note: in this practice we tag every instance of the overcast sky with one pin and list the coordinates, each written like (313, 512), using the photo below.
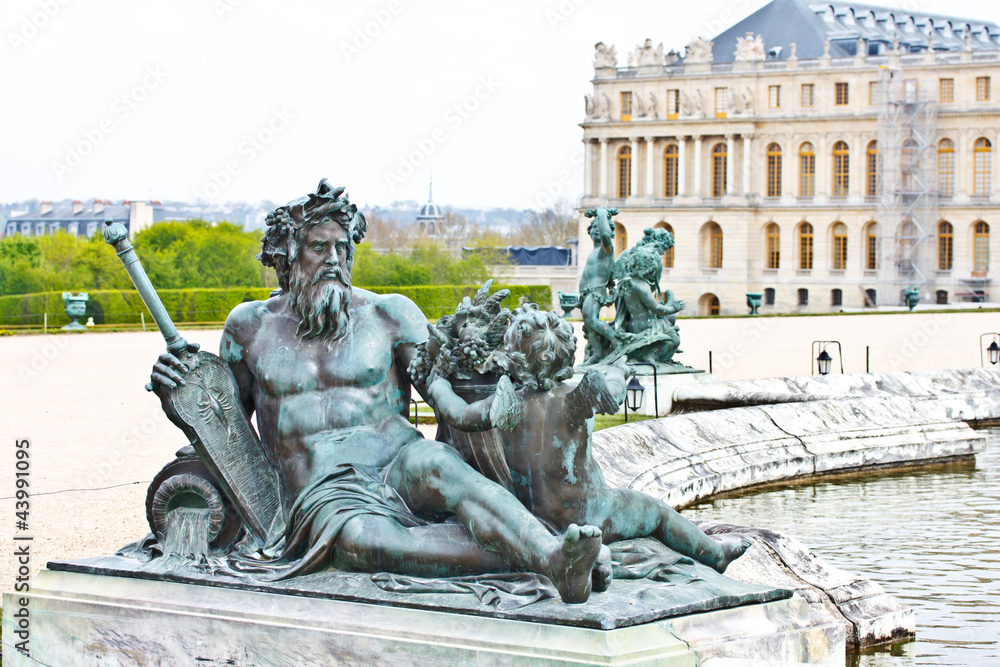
(256, 99)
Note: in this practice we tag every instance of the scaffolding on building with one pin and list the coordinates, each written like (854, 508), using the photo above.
(907, 183)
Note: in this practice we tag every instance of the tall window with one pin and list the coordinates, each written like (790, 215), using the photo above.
(840, 94)
(982, 88)
(721, 102)
(773, 170)
(982, 166)
(981, 248)
(805, 246)
(673, 103)
(836, 297)
(668, 256)
(713, 236)
(872, 93)
(774, 97)
(946, 246)
(946, 168)
(621, 238)
(841, 169)
(946, 90)
(713, 305)
(670, 171)
(871, 175)
(910, 90)
(803, 296)
(871, 247)
(807, 170)
(627, 105)
(768, 296)
(719, 170)
(839, 246)
(624, 172)
(773, 246)
(807, 95)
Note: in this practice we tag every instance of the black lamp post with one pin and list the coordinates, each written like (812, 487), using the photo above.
(994, 351)
(823, 362)
(634, 393)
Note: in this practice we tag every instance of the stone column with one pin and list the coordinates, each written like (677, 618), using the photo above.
(681, 167)
(747, 141)
(633, 172)
(650, 153)
(697, 166)
(823, 166)
(604, 168)
(588, 170)
(730, 160)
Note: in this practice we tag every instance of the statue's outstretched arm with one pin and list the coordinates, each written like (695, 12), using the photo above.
(454, 410)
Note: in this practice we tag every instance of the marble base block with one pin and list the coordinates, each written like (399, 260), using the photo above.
(86, 619)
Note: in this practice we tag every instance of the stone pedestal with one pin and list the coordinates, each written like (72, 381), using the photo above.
(88, 619)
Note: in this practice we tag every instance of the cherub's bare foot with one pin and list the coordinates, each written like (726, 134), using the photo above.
(601, 574)
(733, 547)
(571, 563)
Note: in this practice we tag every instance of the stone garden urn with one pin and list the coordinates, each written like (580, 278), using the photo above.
(76, 307)
(754, 300)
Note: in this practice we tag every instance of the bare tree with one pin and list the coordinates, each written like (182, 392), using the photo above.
(553, 226)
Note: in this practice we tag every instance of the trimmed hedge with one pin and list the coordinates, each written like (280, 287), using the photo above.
(213, 305)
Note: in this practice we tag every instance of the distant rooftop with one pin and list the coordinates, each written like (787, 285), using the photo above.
(809, 24)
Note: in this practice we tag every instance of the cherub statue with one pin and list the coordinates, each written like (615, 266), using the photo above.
(547, 426)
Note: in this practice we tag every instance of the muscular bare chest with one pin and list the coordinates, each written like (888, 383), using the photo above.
(284, 366)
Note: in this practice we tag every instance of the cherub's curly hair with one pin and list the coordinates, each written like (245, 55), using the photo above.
(540, 347)
(286, 225)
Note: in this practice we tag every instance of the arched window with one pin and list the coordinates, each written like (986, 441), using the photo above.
(946, 246)
(708, 304)
(668, 256)
(769, 296)
(805, 246)
(981, 249)
(841, 169)
(803, 296)
(807, 170)
(670, 184)
(946, 168)
(773, 170)
(871, 246)
(773, 233)
(871, 173)
(910, 165)
(624, 172)
(982, 166)
(719, 170)
(621, 238)
(839, 246)
(871, 298)
(836, 297)
(941, 297)
(711, 245)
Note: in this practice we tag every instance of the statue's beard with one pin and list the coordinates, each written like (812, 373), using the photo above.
(321, 301)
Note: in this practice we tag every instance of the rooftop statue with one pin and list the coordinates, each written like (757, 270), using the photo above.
(698, 51)
(749, 49)
(604, 56)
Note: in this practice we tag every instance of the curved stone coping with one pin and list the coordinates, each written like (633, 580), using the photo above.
(969, 394)
(686, 458)
(867, 613)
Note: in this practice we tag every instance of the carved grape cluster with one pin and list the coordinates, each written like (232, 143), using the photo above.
(421, 366)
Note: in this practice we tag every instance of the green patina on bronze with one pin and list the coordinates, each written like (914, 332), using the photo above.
(645, 325)
(338, 479)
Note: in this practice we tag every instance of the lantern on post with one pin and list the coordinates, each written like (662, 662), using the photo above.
(634, 393)
(992, 350)
(823, 362)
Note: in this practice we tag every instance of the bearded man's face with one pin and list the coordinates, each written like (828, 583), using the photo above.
(319, 282)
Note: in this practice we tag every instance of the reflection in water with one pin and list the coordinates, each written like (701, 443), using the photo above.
(931, 538)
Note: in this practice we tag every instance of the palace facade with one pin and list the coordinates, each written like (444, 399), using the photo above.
(827, 156)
